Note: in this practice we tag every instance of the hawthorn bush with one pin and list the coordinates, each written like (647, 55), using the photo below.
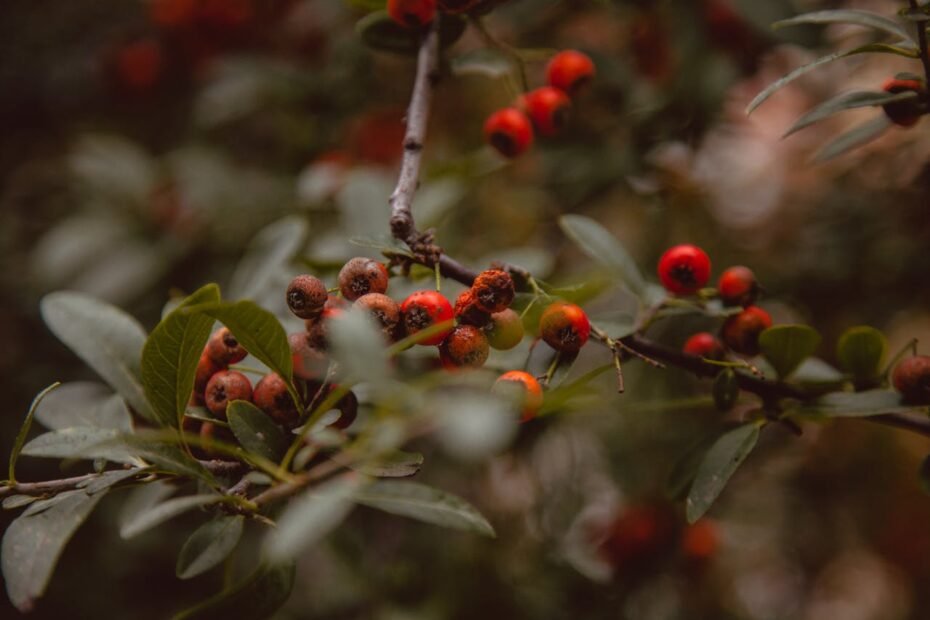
(517, 270)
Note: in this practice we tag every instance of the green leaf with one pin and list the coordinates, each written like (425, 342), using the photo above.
(602, 247)
(12, 502)
(854, 138)
(164, 511)
(786, 346)
(109, 479)
(726, 389)
(106, 338)
(378, 31)
(24, 430)
(856, 404)
(268, 256)
(209, 545)
(171, 354)
(256, 431)
(718, 466)
(866, 19)
(163, 453)
(258, 597)
(81, 443)
(33, 543)
(396, 464)
(311, 516)
(483, 61)
(84, 403)
(385, 244)
(816, 373)
(424, 503)
(358, 347)
(861, 352)
(848, 101)
(681, 476)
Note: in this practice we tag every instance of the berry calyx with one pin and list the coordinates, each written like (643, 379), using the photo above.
(385, 311)
(509, 131)
(569, 71)
(424, 309)
(737, 286)
(912, 378)
(466, 346)
(904, 113)
(547, 107)
(306, 295)
(505, 331)
(224, 349)
(706, 345)
(564, 327)
(493, 290)
(467, 311)
(361, 276)
(684, 269)
(271, 396)
(532, 393)
(223, 387)
(741, 331)
(412, 13)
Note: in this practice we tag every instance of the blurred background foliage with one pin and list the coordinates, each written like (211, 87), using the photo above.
(142, 152)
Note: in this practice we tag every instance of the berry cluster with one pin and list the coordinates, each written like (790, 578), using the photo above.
(510, 130)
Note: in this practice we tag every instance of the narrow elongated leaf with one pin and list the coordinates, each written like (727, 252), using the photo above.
(170, 356)
(33, 543)
(311, 516)
(106, 338)
(109, 479)
(358, 346)
(857, 404)
(866, 19)
(142, 499)
(268, 255)
(718, 466)
(848, 101)
(397, 464)
(209, 545)
(84, 403)
(258, 597)
(256, 431)
(24, 430)
(11, 502)
(786, 346)
(601, 246)
(861, 352)
(81, 442)
(165, 456)
(166, 510)
(854, 138)
(424, 503)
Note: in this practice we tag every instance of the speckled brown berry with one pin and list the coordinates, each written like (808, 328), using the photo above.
(206, 368)
(306, 296)
(361, 276)
(912, 378)
(226, 386)
(385, 311)
(271, 396)
(224, 349)
(465, 346)
(493, 290)
(467, 311)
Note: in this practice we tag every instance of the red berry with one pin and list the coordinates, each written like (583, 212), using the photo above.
(223, 387)
(308, 361)
(637, 538)
(467, 310)
(385, 311)
(465, 346)
(699, 541)
(564, 327)
(706, 345)
(493, 290)
(361, 276)
(206, 368)
(139, 64)
(505, 330)
(569, 70)
(412, 13)
(172, 13)
(912, 378)
(738, 286)
(424, 309)
(547, 107)
(904, 113)
(741, 331)
(532, 396)
(224, 349)
(272, 397)
(509, 132)
(684, 269)
(306, 296)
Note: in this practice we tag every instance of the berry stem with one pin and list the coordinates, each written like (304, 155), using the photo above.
(515, 58)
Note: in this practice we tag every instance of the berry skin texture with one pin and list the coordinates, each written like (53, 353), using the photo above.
(505, 330)
(532, 398)
(226, 386)
(569, 71)
(904, 113)
(706, 345)
(271, 396)
(912, 378)
(493, 290)
(306, 295)
(684, 269)
(548, 108)
(737, 286)
(509, 131)
(224, 349)
(741, 331)
(385, 310)
(564, 327)
(467, 311)
(412, 13)
(423, 309)
(465, 346)
(206, 368)
(361, 276)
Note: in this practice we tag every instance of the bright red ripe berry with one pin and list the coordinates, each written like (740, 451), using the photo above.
(904, 113)
(741, 331)
(564, 327)
(699, 541)
(505, 330)
(412, 13)
(361, 276)
(737, 286)
(306, 295)
(532, 397)
(547, 107)
(272, 397)
(224, 349)
(912, 378)
(206, 368)
(493, 290)
(465, 346)
(424, 309)
(684, 269)
(706, 345)
(223, 387)
(509, 132)
(569, 70)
